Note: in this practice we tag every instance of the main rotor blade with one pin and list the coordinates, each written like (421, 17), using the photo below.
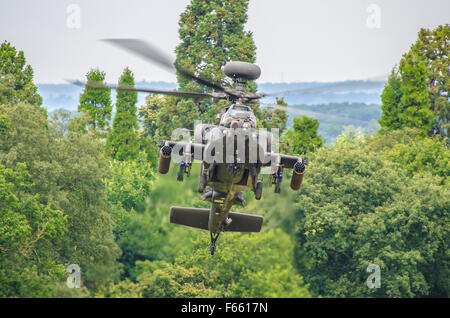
(346, 86)
(320, 116)
(137, 89)
(153, 54)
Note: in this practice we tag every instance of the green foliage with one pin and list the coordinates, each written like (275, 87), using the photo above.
(417, 94)
(382, 199)
(123, 289)
(405, 98)
(129, 184)
(82, 168)
(27, 231)
(256, 265)
(148, 148)
(303, 137)
(212, 34)
(163, 280)
(67, 169)
(16, 78)
(148, 234)
(123, 141)
(148, 113)
(145, 238)
(275, 207)
(127, 189)
(357, 209)
(276, 118)
(385, 139)
(96, 102)
(390, 103)
(5, 126)
(432, 47)
(423, 155)
(413, 152)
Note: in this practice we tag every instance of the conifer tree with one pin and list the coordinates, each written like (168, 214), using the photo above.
(212, 34)
(123, 141)
(390, 98)
(433, 47)
(405, 98)
(417, 94)
(96, 102)
(16, 78)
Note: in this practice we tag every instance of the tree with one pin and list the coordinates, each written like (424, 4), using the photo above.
(390, 98)
(415, 153)
(127, 189)
(417, 94)
(67, 170)
(245, 266)
(432, 47)
(16, 78)
(148, 114)
(5, 125)
(405, 98)
(357, 209)
(303, 137)
(96, 102)
(123, 141)
(27, 230)
(276, 118)
(249, 266)
(423, 155)
(80, 171)
(212, 34)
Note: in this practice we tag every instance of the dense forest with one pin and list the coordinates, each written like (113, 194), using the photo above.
(84, 189)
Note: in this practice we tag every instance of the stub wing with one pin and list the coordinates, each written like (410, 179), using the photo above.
(199, 217)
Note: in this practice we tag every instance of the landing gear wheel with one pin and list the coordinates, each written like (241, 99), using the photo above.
(258, 191)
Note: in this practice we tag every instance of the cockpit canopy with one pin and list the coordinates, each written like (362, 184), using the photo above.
(238, 116)
(239, 110)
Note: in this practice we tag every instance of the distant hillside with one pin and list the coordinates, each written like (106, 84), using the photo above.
(324, 93)
(66, 96)
(357, 100)
(365, 116)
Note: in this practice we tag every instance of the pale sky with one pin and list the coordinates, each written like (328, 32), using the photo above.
(297, 40)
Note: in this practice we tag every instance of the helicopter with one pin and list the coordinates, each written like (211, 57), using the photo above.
(232, 153)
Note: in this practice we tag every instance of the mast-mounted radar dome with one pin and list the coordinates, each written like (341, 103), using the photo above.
(243, 70)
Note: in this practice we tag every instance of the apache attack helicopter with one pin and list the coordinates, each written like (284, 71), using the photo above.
(232, 153)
